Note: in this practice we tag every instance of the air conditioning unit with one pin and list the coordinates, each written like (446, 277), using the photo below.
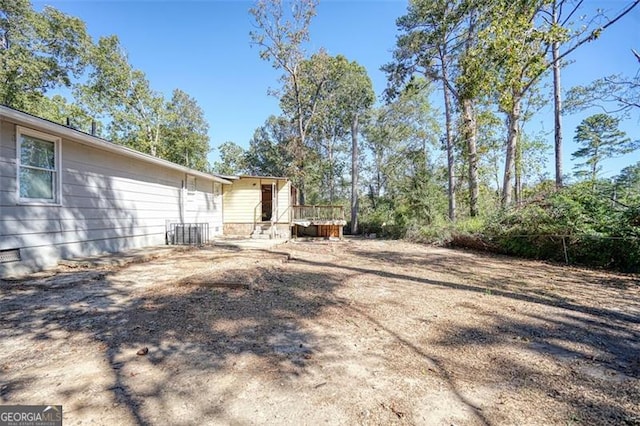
(189, 233)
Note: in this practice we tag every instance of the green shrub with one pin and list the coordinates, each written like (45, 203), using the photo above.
(579, 223)
(584, 225)
(437, 233)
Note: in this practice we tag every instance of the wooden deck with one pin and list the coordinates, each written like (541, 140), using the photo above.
(319, 221)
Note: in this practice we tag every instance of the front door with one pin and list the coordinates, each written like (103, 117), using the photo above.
(267, 202)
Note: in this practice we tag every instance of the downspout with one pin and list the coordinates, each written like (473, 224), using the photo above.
(183, 208)
(221, 208)
(274, 208)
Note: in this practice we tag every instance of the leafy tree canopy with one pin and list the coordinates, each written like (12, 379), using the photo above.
(232, 159)
(184, 133)
(39, 51)
(600, 139)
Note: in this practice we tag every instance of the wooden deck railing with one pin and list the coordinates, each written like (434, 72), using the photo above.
(318, 212)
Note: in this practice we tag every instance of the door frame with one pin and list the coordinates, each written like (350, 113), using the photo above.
(266, 211)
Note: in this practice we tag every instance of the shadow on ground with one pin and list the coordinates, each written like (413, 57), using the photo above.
(191, 327)
(581, 322)
(472, 324)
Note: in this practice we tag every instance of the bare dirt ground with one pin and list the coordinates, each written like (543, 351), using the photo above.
(356, 332)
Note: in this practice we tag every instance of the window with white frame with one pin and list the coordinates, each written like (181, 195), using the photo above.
(38, 156)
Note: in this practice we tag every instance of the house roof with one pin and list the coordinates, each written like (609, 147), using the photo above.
(259, 177)
(29, 120)
(229, 177)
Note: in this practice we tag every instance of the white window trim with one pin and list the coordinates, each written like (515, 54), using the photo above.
(57, 146)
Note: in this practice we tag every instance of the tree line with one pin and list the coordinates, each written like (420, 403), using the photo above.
(468, 171)
(48, 51)
(487, 60)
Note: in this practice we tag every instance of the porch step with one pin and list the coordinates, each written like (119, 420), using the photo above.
(260, 236)
(262, 232)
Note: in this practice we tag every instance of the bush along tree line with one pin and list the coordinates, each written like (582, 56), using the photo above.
(467, 174)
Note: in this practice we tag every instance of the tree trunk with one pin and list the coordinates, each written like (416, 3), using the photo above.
(354, 175)
(331, 187)
(557, 103)
(372, 196)
(449, 142)
(512, 143)
(594, 168)
(299, 170)
(152, 140)
(496, 175)
(379, 179)
(471, 128)
(471, 136)
(298, 151)
(518, 174)
(450, 157)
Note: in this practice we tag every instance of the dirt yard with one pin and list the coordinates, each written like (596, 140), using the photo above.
(355, 332)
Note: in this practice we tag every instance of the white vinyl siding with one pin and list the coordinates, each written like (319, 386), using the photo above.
(204, 206)
(8, 161)
(242, 200)
(284, 203)
(110, 203)
(190, 198)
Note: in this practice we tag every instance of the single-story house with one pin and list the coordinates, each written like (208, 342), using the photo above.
(258, 205)
(267, 207)
(65, 193)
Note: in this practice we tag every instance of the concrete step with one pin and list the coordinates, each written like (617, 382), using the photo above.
(264, 231)
(260, 236)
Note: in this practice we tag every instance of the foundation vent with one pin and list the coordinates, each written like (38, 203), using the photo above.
(11, 255)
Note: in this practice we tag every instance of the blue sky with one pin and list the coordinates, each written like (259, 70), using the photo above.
(203, 48)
